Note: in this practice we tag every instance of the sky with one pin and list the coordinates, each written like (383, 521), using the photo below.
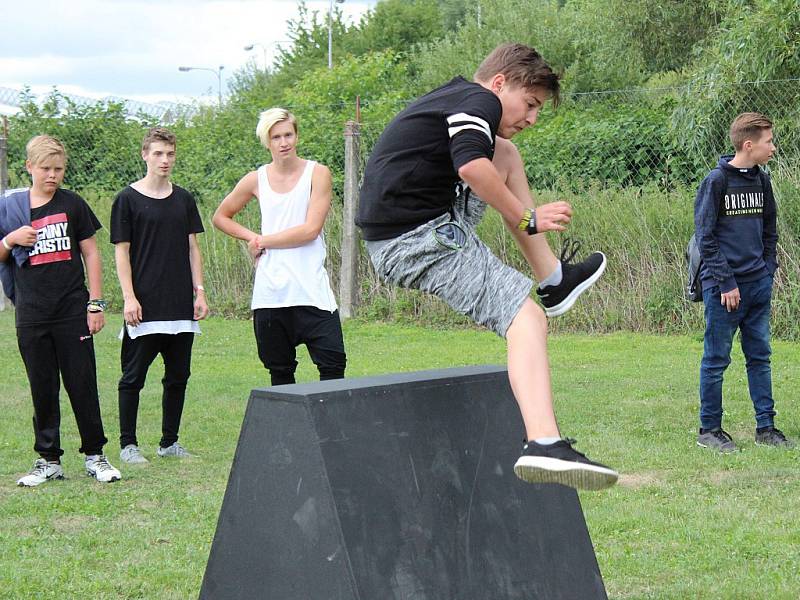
(133, 48)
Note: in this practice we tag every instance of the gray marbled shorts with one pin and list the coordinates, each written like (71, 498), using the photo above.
(446, 258)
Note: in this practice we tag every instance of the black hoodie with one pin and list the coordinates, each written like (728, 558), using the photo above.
(735, 227)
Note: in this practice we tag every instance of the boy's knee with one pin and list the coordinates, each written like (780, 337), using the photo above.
(530, 317)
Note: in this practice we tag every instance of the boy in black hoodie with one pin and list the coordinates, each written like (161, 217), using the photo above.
(735, 226)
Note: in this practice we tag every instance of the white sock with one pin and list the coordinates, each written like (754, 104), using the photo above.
(92, 456)
(553, 279)
(547, 441)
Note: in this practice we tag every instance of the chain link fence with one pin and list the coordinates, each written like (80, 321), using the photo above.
(643, 142)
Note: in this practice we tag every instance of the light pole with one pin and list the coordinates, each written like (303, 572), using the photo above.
(217, 72)
(250, 47)
(330, 31)
(264, 47)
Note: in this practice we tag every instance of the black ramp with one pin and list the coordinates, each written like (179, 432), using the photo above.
(398, 487)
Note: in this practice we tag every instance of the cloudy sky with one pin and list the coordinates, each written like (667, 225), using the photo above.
(133, 48)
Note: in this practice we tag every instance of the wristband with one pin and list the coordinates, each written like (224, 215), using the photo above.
(199, 288)
(526, 218)
(531, 228)
(96, 305)
(6, 246)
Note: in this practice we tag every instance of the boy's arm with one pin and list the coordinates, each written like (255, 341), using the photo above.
(132, 310)
(196, 264)
(318, 207)
(24, 236)
(706, 209)
(482, 177)
(94, 273)
(232, 204)
(770, 235)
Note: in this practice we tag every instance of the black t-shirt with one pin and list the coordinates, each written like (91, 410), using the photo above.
(412, 173)
(50, 285)
(158, 230)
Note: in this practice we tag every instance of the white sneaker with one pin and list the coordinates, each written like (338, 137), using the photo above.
(174, 450)
(42, 471)
(97, 466)
(132, 455)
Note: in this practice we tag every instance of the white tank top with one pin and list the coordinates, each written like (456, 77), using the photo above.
(290, 276)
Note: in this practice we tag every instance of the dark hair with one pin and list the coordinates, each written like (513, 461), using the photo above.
(158, 134)
(522, 66)
(748, 126)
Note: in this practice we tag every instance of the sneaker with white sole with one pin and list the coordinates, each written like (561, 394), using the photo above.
(97, 466)
(174, 450)
(43, 470)
(132, 455)
(561, 463)
(576, 278)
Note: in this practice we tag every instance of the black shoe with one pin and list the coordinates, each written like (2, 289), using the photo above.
(717, 439)
(575, 279)
(770, 436)
(560, 463)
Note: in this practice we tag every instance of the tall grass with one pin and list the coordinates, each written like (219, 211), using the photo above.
(643, 232)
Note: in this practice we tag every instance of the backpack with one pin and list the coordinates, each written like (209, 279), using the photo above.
(694, 262)
(694, 291)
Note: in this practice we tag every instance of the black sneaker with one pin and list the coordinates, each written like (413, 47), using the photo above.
(717, 439)
(770, 436)
(575, 279)
(561, 463)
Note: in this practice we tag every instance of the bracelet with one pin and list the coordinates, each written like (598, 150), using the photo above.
(96, 305)
(199, 288)
(526, 218)
(531, 228)
(6, 246)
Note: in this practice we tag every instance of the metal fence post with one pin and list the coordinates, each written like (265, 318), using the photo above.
(348, 274)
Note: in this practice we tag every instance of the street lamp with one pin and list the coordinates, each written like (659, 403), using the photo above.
(330, 31)
(250, 47)
(263, 47)
(217, 72)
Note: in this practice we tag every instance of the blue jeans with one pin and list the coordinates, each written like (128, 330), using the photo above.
(752, 319)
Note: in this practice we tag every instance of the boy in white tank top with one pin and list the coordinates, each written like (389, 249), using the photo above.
(292, 301)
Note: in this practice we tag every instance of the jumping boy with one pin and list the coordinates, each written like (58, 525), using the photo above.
(154, 227)
(418, 212)
(293, 302)
(47, 237)
(735, 220)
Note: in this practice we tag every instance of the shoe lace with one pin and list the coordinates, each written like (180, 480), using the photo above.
(102, 464)
(569, 249)
(570, 442)
(39, 468)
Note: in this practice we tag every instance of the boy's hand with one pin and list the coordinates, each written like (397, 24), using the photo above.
(24, 236)
(553, 216)
(730, 300)
(254, 249)
(200, 306)
(132, 312)
(96, 321)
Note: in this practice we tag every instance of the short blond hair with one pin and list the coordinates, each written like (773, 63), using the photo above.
(42, 147)
(268, 119)
(748, 126)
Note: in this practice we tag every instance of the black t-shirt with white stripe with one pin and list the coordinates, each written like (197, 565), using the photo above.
(412, 173)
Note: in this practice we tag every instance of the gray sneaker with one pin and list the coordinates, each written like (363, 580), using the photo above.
(717, 439)
(770, 436)
(174, 450)
(132, 455)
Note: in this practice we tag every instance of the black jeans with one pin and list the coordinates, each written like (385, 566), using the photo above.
(280, 330)
(137, 356)
(64, 349)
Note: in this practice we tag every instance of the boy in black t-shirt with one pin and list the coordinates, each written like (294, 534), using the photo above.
(153, 227)
(418, 211)
(46, 234)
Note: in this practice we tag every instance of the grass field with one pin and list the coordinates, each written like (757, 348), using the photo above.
(684, 522)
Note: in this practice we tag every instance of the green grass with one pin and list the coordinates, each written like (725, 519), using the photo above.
(683, 523)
